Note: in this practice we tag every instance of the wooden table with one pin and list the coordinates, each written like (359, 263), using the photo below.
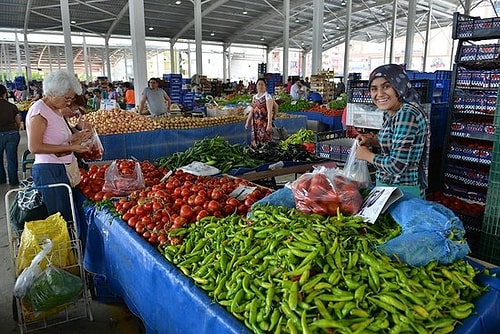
(296, 169)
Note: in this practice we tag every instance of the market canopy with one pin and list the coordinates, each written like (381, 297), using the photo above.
(225, 21)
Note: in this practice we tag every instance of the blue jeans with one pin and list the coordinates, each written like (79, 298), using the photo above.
(9, 141)
(56, 198)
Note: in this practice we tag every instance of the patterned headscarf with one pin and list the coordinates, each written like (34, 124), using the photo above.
(397, 77)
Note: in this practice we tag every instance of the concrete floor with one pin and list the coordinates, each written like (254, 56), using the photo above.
(108, 318)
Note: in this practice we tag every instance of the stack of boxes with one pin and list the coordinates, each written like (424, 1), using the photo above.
(174, 87)
(273, 80)
(324, 85)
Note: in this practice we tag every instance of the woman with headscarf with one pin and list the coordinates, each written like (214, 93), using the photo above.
(403, 140)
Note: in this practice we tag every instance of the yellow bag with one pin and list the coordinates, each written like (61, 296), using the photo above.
(35, 232)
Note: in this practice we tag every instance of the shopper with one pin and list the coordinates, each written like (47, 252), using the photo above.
(403, 140)
(297, 90)
(129, 96)
(51, 141)
(260, 117)
(10, 122)
(158, 100)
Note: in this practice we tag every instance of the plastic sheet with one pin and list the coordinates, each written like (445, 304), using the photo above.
(149, 145)
(172, 303)
(166, 300)
(430, 232)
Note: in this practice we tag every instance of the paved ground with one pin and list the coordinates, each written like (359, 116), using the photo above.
(110, 319)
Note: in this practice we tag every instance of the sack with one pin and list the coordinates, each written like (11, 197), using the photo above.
(357, 170)
(33, 236)
(73, 172)
(120, 184)
(279, 133)
(28, 205)
(96, 150)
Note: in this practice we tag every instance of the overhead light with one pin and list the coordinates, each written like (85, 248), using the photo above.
(178, 2)
(212, 34)
(245, 12)
(343, 3)
(72, 22)
(151, 28)
(297, 20)
(261, 38)
(302, 43)
(338, 27)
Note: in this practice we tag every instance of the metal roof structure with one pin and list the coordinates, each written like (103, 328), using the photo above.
(258, 22)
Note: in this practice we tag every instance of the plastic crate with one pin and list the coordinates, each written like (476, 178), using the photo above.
(333, 145)
(489, 248)
(480, 103)
(463, 193)
(473, 130)
(470, 27)
(467, 176)
(470, 154)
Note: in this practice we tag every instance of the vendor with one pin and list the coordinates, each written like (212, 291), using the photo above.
(297, 91)
(404, 137)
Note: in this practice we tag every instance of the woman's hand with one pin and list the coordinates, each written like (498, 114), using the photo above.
(80, 136)
(269, 128)
(367, 140)
(364, 153)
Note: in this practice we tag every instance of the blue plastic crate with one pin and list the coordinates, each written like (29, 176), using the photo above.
(170, 76)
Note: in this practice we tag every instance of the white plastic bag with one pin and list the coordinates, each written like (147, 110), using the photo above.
(355, 169)
(25, 280)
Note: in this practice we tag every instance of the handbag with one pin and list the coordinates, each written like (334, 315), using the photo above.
(73, 172)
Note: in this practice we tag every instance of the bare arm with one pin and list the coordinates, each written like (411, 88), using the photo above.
(142, 103)
(37, 146)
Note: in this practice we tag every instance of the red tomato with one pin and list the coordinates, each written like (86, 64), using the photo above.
(99, 196)
(217, 194)
(186, 212)
(132, 221)
(201, 214)
(213, 206)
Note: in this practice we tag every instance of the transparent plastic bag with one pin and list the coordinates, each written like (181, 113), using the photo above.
(123, 184)
(355, 169)
(53, 287)
(326, 192)
(29, 274)
(96, 150)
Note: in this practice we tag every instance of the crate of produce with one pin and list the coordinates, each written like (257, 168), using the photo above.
(469, 154)
(480, 103)
(472, 27)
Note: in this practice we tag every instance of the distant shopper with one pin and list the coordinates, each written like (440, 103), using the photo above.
(260, 117)
(10, 121)
(297, 92)
(51, 140)
(158, 100)
(288, 86)
(129, 96)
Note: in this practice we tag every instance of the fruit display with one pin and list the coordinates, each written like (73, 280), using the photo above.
(183, 199)
(119, 121)
(284, 271)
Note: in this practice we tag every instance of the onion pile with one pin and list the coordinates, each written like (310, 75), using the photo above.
(120, 121)
(195, 122)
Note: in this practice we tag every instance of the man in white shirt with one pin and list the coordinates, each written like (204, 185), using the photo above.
(297, 90)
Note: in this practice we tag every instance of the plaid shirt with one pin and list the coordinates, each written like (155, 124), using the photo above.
(404, 148)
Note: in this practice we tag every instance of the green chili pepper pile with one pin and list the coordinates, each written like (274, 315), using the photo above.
(289, 272)
(215, 151)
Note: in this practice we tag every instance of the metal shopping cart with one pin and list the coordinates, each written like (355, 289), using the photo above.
(29, 321)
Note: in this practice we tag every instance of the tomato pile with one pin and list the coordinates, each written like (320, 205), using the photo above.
(457, 205)
(184, 198)
(93, 181)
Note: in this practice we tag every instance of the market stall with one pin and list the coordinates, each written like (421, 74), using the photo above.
(330, 123)
(137, 272)
(149, 145)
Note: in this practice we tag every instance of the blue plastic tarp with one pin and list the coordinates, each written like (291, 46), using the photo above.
(150, 145)
(169, 302)
(158, 293)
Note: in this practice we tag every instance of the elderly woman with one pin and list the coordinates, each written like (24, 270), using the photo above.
(403, 140)
(52, 142)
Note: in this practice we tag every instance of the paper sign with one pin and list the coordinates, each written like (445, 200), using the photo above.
(241, 192)
(379, 199)
(108, 104)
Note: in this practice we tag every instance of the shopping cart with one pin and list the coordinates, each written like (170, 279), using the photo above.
(30, 321)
